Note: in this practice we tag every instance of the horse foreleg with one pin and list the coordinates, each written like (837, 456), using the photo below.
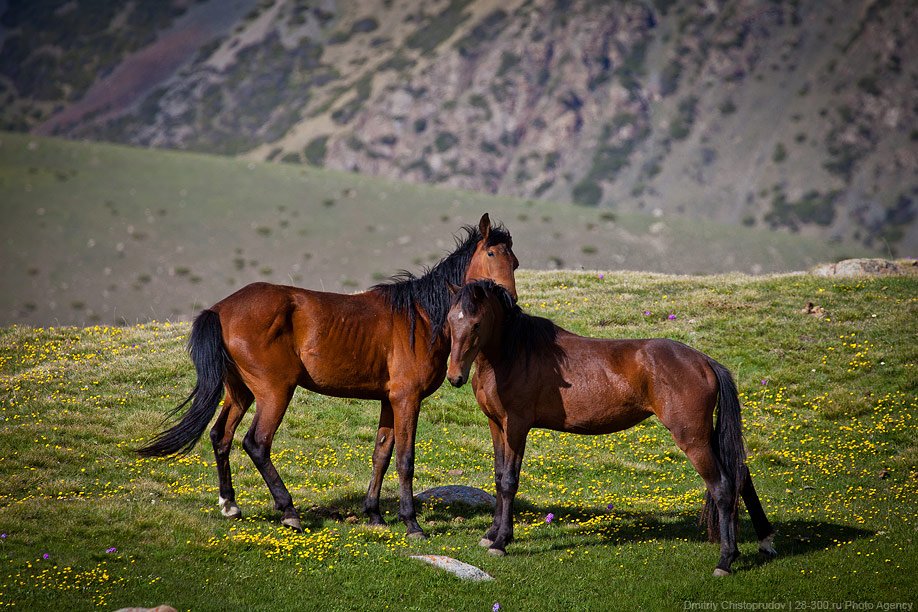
(514, 447)
(406, 424)
(382, 454)
(237, 402)
(257, 443)
(497, 439)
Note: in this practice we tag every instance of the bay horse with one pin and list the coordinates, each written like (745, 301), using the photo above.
(531, 373)
(389, 343)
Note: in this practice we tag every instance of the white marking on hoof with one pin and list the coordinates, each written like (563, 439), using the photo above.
(229, 509)
(292, 522)
(497, 552)
(766, 546)
(720, 573)
(485, 542)
(417, 535)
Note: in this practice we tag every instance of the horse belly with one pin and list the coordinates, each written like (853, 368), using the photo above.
(344, 378)
(596, 401)
(605, 421)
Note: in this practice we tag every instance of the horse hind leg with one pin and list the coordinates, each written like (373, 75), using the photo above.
(724, 498)
(235, 404)
(270, 407)
(763, 528)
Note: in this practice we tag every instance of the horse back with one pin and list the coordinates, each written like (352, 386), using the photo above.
(636, 378)
(600, 385)
(344, 345)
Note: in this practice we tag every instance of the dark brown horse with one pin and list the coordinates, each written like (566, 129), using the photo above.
(531, 373)
(389, 343)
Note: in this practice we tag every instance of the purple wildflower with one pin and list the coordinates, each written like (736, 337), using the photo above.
(46, 556)
(671, 317)
(549, 517)
(609, 507)
(764, 381)
(495, 607)
(601, 276)
(646, 313)
(111, 550)
(2, 536)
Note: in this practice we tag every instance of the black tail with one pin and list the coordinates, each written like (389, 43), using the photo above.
(210, 360)
(727, 443)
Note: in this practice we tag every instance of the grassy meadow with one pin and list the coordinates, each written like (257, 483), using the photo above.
(829, 413)
(103, 234)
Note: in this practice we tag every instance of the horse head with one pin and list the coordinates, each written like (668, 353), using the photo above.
(493, 257)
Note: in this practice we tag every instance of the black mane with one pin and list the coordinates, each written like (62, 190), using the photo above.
(522, 333)
(407, 293)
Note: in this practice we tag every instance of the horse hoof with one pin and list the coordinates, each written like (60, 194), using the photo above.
(229, 509)
(720, 573)
(417, 535)
(766, 547)
(233, 513)
(497, 552)
(485, 542)
(293, 523)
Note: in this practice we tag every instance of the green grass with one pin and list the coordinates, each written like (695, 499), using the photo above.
(829, 409)
(97, 233)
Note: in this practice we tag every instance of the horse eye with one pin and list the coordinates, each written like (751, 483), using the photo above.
(490, 253)
(476, 326)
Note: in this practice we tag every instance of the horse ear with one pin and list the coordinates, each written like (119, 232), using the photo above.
(484, 226)
(453, 289)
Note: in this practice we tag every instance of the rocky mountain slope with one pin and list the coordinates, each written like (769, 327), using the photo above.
(798, 116)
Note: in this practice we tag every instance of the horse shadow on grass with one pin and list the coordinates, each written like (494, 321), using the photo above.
(602, 527)
(597, 526)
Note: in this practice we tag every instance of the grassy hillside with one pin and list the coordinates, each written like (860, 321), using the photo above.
(101, 233)
(829, 415)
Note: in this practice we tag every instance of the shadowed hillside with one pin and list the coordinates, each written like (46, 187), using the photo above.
(787, 115)
(102, 233)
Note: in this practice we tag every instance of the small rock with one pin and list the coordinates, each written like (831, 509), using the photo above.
(455, 567)
(470, 496)
(814, 310)
(455, 472)
(857, 267)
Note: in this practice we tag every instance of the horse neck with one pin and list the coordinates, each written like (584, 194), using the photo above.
(491, 353)
(437, 347)
(442, 275)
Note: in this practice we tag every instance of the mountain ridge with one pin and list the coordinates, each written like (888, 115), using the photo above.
(786, 115)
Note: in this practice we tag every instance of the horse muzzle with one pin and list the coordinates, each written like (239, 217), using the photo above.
(457, 381)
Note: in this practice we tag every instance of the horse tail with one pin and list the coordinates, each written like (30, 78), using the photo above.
(210, 361)
(727, 444)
